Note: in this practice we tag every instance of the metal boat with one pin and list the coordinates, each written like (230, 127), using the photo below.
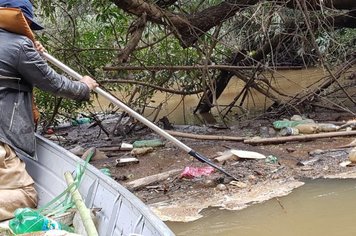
(122, 213)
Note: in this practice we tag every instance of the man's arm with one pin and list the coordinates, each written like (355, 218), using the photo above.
(35, 71)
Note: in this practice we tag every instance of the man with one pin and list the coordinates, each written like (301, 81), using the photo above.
(21, 69)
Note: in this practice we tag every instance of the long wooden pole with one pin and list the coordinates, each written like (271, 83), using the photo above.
(305, 137)
(206, 136)
(137, 116)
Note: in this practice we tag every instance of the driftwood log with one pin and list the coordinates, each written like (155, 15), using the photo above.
(306, 137)
(139, 183)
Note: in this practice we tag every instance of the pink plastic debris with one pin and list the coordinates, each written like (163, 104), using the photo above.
(192, 172)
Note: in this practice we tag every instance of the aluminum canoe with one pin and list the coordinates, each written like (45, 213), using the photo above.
(122, 213)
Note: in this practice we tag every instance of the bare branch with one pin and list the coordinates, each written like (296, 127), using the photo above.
(120, 81)
(196, 67)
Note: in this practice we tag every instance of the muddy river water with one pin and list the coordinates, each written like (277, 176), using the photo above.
(289, 82)
(179, 109)
(319, 208)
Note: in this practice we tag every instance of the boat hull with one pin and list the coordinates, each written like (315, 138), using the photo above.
(122, 213)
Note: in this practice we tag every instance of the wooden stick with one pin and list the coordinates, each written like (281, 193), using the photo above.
(84, 212)
(205, 137)
(299, 137)
(139, 183)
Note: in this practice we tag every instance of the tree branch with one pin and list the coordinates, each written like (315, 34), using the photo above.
(188, 28)
(151, 86)
(136, 31)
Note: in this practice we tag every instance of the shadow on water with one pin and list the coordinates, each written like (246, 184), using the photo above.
(319, 208)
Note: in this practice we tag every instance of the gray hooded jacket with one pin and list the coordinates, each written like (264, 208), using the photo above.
(19, 59)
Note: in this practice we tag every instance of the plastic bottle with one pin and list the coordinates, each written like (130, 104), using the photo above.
(148, 143)
(280, 124)
(325, 127)
(310, 128)
(27, 220)
(82, 120)
(289, 131)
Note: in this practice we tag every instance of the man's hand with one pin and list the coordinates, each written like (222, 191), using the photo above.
(91, 83)
(39, 47)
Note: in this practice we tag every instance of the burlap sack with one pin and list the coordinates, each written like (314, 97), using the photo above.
(16, 185)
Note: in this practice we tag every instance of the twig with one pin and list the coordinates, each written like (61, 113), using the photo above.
(120, 81)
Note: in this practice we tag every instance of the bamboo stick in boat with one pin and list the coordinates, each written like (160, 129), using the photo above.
(84, 212)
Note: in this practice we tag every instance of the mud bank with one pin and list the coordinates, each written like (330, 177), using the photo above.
(181, 199)
(188, 209)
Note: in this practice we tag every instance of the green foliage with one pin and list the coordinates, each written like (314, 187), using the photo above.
(88, 35)
(85, 37)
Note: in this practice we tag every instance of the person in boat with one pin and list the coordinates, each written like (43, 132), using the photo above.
(21, 69)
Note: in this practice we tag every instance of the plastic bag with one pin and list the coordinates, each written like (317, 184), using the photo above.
(27, 220)
(192, 172)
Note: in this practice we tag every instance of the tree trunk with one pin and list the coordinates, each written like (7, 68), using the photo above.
(188, 28)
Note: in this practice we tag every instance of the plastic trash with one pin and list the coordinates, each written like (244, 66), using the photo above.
(27, 220)
(280, 124)
(326, 127)
(49, 131)
(80, 121)
(141, 151)
(271, 159)
(296, 117)
(310, 128)
(288, 131)
(106, 171)
(148, 143)
(192, 172)
(247, 154)
(126, 147)
(352, 155)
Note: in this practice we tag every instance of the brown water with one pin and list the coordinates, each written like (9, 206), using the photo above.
(288, 82)
(319, 208)
(179, 110)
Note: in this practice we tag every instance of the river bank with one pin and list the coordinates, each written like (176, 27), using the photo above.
(182, 199)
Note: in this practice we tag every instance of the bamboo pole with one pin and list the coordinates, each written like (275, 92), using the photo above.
(305, 137)
(84, 212)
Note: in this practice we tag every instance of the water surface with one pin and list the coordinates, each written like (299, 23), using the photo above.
(319, 208)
